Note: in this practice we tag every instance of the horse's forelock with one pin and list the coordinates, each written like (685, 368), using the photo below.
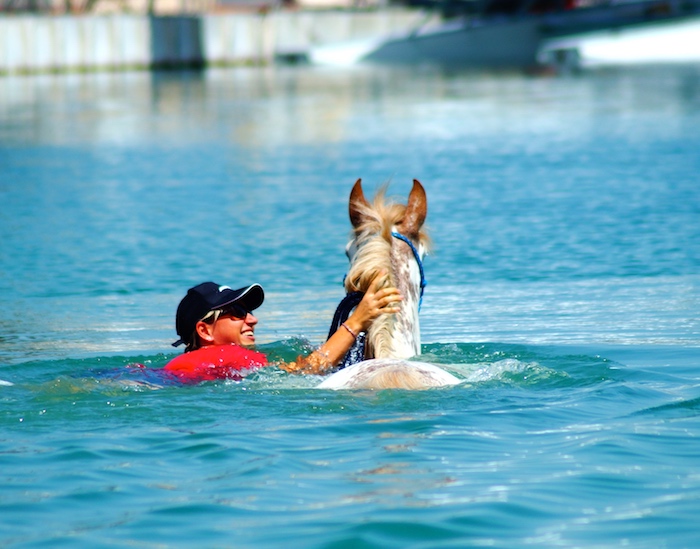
(372, 242)
(371, 258)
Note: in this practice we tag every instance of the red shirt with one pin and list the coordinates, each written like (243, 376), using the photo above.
(215, 362)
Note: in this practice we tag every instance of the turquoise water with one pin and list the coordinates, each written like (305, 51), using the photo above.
(563, 286)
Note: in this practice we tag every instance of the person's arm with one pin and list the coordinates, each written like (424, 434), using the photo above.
(374, 304)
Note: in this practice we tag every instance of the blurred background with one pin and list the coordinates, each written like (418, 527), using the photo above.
(69, 35)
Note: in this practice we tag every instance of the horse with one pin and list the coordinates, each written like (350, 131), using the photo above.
(389, 237)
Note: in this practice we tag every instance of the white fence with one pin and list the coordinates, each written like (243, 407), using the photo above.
(30, 43)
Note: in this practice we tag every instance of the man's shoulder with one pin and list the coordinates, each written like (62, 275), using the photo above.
(232, 356)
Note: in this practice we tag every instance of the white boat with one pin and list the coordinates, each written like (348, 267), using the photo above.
(523, 38)
(474, 42)
(672, 41)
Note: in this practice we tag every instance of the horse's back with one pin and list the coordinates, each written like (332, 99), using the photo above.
(389, 373)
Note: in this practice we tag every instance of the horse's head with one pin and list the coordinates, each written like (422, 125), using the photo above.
(388, 236)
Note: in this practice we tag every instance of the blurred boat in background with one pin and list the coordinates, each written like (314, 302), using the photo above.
(668, 41)
(533, 33)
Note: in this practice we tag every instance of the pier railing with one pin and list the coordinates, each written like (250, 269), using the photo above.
(176, 7)
(39, 43)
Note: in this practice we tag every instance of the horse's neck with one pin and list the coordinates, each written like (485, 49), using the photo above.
(398, 336)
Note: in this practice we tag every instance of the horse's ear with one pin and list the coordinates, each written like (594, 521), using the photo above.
(416, 210)
(357, 198)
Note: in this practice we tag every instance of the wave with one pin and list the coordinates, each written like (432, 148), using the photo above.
(477, 364)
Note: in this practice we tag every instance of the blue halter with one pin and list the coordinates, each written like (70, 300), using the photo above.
(423, 282)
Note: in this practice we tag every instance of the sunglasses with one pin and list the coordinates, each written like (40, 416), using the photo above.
(235, 311)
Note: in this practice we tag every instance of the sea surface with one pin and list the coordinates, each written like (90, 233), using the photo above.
(563, 287)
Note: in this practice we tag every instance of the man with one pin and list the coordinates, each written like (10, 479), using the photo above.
(217, 326)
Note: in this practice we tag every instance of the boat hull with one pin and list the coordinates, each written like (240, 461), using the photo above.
(496, 44)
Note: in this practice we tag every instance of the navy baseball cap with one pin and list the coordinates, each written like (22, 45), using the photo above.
(210, 296)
